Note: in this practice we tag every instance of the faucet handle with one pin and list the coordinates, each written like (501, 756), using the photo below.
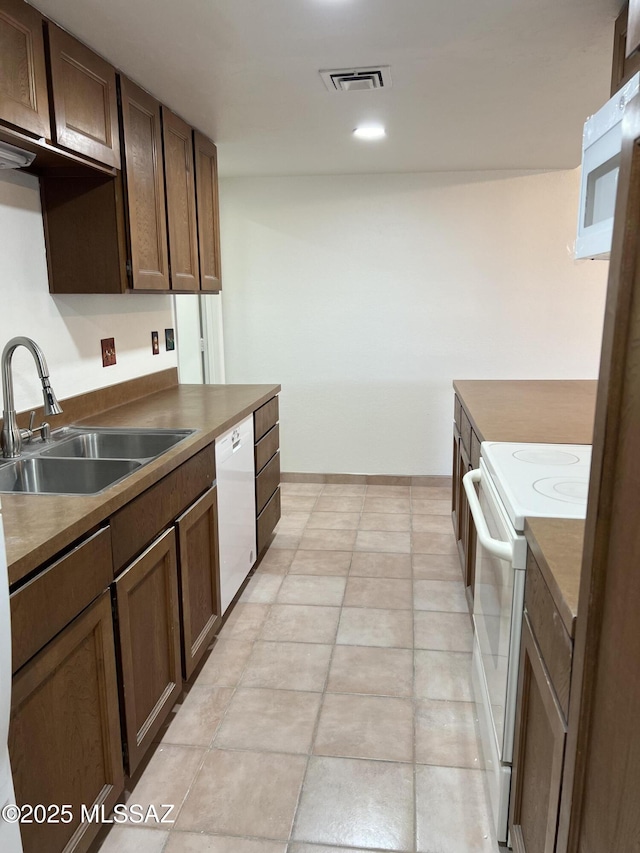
(27, 434)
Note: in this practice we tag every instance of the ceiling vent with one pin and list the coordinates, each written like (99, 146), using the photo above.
(357, 79)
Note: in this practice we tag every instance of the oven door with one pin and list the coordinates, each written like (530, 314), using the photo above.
(498, 600)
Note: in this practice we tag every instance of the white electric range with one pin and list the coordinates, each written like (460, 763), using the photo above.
(516, 481)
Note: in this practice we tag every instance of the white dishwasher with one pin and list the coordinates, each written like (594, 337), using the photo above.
(236, 479)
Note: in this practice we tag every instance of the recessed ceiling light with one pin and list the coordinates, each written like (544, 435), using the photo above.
(370, 131)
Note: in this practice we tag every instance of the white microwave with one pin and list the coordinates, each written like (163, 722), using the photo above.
(601, 144)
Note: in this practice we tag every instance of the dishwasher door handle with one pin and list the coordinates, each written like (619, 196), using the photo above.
(503, 550)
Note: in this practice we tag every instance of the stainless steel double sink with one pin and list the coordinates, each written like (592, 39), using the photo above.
(85, 461)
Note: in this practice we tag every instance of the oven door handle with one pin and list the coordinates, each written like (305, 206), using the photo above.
(503, 550)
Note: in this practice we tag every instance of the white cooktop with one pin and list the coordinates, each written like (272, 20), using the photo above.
(549, 480)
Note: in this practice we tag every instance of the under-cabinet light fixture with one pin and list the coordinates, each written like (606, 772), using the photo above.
(14, 158)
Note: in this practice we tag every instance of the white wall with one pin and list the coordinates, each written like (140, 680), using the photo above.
(365, 296)
(68, 328)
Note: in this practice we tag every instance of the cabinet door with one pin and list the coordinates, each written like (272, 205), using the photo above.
(85, 105)
(625, 61)
(455, 487)
(462, 509)
(149, 632)
(23, 76)
(538, 754)
(144, 187)
(465, 529)
(206, 166)
(199, 577)
(64, 739)
(181, 202)
(633, 28)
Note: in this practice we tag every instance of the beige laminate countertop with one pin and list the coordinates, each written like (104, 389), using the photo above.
(556, 544)
(37, 527)
(545, 411)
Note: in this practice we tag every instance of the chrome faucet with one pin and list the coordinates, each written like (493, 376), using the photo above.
(12, 435)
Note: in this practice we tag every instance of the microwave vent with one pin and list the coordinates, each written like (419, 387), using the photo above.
(357, 79)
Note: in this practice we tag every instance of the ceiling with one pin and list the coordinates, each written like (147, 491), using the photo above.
(477, 84)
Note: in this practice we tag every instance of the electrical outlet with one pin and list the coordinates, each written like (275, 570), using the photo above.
(108, 351)
(155, 343)
(169, 340)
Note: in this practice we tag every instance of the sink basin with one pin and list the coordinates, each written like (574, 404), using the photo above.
(35, 475)
(85, 461)
(116, 444)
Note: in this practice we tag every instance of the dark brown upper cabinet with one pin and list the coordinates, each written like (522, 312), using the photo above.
(23, 76)
(181, 203)
(143, 168)
(206, 166)
(85, 105)
(626, 56)
(633, 28)
(108, 235)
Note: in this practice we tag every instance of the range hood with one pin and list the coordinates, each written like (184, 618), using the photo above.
(12, 157)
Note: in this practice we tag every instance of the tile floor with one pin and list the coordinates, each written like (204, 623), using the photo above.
(335, 711)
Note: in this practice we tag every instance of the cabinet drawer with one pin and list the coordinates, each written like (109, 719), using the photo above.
(465, 431)
(457, 412)
(264, 418)
(267, 520)
(475, 450)
(266, 447)
(39, 610)
(267, 482)
(139, 522)
(549, 631)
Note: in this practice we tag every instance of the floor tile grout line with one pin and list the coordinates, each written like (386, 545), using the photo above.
(332, 693)
(317, 721)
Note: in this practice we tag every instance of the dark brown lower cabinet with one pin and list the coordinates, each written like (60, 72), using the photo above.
(266, 433)
(149, 637)
(199, 578)
(538, 754)
(64, 739)
(267, 481)
(464, 527)
(267, 521)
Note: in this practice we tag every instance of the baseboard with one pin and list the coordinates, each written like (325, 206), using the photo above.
(423, 480)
